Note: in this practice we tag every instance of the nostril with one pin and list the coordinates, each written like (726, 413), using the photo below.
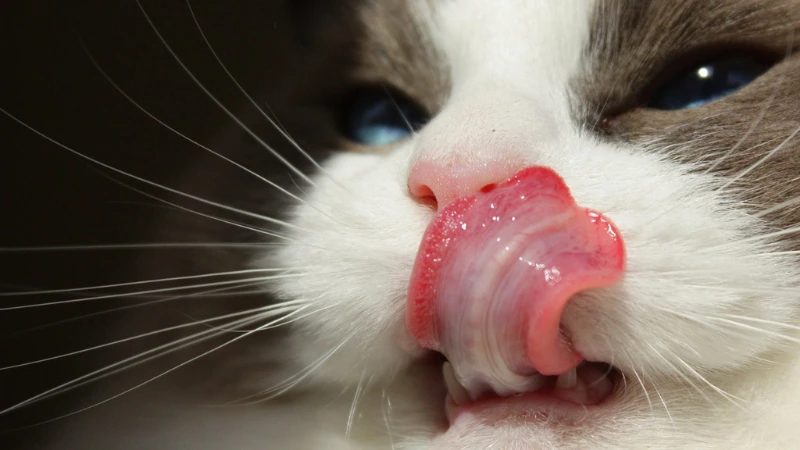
(439, 184)
(424, 195)
(488, 188)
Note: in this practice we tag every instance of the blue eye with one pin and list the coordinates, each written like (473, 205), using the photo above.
(376, 116)
(707, 83)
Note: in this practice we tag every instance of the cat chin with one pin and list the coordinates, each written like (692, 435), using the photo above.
(408, 414)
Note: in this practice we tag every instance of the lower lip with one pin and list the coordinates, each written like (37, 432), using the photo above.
(530, 407)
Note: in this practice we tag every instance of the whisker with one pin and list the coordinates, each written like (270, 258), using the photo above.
(644, 389)
(144, 180)
(762, 160)
(137, 386)
(762, 237)
(354, 405)
(213, 98)
(138, 283)
(387, 418)
(272, 121)
(601, 377)
(187, 138)
(707, 321)
(743, 326)
(663, 402)
(149, 245)
(292, 381)
(748, 132)
(283, 321)
(279, 309)
(778, 207)
(131, 294)
(764, 321)
(730, 397)
(210, 292)
(679, 373)
(262, 231)
(399, 110)
(115, 368)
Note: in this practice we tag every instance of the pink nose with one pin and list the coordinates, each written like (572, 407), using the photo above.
(445, 182)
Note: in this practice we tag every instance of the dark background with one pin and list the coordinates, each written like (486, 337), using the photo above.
(50, 197)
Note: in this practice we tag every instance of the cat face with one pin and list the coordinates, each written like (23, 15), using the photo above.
(635, 165)
(610, 95)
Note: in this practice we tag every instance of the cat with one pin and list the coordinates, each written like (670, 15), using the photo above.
(647, 298)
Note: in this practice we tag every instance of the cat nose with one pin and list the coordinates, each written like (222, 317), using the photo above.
(443, 182)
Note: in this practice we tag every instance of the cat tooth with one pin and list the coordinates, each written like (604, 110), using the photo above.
(457, 392)
(567, 380)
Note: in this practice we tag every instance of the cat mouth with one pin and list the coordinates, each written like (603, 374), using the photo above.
(493, 274)
(569, 396)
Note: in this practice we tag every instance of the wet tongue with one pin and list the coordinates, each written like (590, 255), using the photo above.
(493, 274)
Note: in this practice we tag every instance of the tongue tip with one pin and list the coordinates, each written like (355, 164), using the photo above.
(543, 178)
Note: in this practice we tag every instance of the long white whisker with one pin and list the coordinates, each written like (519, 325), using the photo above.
(748, 133)
(250, 98)
(764, 237)
(279, 308)
(149, 245)
(778, 207)
(756, 329)
(282, 321)
(730, 397)
(143, 180)
(764, 321)
(663, 402)
(109, 369)
(219, 103)
(399, 110)
(211, 292)
(151, 291)
(644, 389)
(387, 418)
(354, 405)
(162, 374)
(291, 381)
(187, 138)
(262, 231)
(138, 283)
(762, 160)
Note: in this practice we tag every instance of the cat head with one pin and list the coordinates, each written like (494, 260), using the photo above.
(675, 120)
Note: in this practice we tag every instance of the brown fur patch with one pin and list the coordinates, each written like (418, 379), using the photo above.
(635, 44)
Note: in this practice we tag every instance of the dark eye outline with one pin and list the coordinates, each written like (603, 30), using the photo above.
(677, 70)
(400, 113)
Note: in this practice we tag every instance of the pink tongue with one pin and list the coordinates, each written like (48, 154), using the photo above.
(494, 272)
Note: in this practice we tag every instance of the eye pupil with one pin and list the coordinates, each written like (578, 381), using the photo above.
(707, 83)
(376, 116)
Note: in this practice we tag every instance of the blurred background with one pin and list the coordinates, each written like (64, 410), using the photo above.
(50, 197)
